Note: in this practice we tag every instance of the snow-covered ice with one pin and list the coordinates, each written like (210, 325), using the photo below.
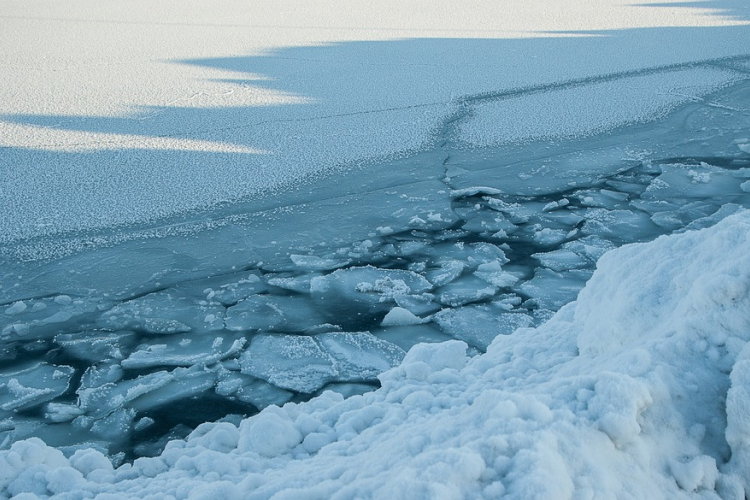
(314, 251)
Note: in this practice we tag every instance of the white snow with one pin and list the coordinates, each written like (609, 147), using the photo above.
(258, 91)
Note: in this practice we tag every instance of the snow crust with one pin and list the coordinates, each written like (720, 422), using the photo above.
(240, 106)
(636, 390)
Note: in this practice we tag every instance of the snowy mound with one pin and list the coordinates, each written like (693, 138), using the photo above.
(637, 390)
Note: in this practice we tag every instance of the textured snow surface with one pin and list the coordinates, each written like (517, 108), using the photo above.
(636, 390)
(241, 101)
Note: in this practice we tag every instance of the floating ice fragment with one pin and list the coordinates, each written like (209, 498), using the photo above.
(546, 236)
(478, 325)
(359, 357)
(95, 346)
(350, 296)
(470, 254)
(408, 336)
(493, 273)
(398, 316)
(299, 284)
(307, 363)
(16, 330)
(249, 389)
(166, 312)
(488, 221)
(32, 384)
(561, 260)
(273, 313)
(448, 271)
(418, 305)
(475, 190)
(175, 352)
(226, 290)
(314, 263)
(465, 290)
(551, 290)
(293, 362)
(61, 412)
(16, 308)
(63, 300)
(624, 224)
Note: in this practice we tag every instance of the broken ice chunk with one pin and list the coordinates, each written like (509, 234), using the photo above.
(418, 305)
(554, 205)
(306, 363)
(560, 219)
(361, 356)
(15, 308)
(478, 325)
(165, 312)
(350, 296)
(592, 247)
(624, 225)
(465, 290)
(299, 284)
(493, 273)
(693, 181)
(145, 392)
(315, 263)
(32, 384)
(547, 237)
(182, 383)
(293, 362)
(601, 198)
(551, 290)
(407, 248)
(47, 317)
(398, 316)
(226, 290)
(686, 214)
(273, 313)
(407, 337)
(186, 351)
(517, 213)
(96, 346)
(448, 271)
(561, 260)
(723, 212)
(249, 389)
(101, 374)
(655, 205)
(61, 412)
(470, 254)
(489, 221)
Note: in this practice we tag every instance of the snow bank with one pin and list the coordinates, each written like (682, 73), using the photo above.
(637, 390)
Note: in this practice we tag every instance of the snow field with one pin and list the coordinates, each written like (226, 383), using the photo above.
(259, 104)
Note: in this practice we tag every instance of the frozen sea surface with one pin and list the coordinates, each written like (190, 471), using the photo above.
(414, 282)
(264, 325)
